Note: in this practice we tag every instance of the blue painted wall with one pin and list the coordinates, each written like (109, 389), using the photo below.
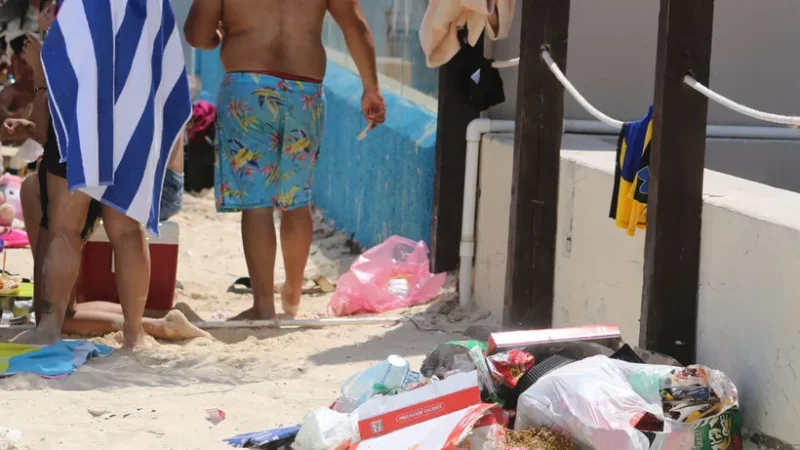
(383, 185)
(374, 188)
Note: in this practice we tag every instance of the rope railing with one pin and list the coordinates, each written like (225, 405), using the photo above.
(567, 85)
(505, 64)
(577, 95)
(792, 121)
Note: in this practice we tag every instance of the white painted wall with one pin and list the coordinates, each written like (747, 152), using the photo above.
(611, 59)
(749, 283)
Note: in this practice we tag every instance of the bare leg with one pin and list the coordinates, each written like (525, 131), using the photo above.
(31, 208)
(258, 237)
(173, 326)
(40, 251)
(297, 228)
(132, 259)
(61, 262)
(38, 237)
(116, 308)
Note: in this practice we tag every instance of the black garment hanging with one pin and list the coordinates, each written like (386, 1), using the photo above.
(479, 82)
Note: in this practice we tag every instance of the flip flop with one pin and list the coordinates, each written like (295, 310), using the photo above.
(241, 286)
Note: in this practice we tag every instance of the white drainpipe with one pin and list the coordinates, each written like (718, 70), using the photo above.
(475, 130)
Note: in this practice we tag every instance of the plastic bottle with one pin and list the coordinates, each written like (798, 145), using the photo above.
(389, 373)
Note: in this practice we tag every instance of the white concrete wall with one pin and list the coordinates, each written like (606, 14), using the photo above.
(612, 58)
(749, 283)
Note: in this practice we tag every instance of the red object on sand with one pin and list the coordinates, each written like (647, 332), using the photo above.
(98, 280)
(215, 415)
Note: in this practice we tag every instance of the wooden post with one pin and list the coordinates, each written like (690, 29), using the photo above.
(675, 197)
(530, 275)
(455, 113)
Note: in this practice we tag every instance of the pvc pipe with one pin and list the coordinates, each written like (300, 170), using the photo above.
(475, 130)
(712, 131)
(303, 323)
(280, 323)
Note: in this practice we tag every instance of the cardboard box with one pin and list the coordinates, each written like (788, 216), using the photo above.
(428, 417)
(97, 281)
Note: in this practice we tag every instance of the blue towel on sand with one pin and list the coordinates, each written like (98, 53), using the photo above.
(57, 360)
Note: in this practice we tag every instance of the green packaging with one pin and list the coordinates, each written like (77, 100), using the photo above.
(723, 432)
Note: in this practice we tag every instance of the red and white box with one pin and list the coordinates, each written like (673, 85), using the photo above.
(97, 281)
(433, 417)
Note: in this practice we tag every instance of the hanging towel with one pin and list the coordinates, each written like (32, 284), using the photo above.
(438, 33)
(53, 361)
(632, 175)
(119, 97)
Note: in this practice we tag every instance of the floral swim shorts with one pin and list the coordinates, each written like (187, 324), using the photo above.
(269, 131)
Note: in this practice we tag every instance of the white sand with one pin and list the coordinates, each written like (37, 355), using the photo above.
(155, 399)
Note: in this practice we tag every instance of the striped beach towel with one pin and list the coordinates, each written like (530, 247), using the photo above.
(119, 97)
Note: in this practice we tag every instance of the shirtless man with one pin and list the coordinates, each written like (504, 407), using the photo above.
(16, 99)
(271, 120)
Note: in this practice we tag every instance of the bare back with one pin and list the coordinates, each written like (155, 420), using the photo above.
(274, 35)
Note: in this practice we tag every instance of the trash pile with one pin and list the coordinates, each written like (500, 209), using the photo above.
(569, 388)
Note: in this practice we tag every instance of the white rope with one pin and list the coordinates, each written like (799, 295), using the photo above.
(741, 109)
(577, 95)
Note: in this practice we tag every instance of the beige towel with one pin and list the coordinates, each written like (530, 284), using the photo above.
(443, 18)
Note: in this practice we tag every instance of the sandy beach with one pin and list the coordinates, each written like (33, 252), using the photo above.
(155, 398)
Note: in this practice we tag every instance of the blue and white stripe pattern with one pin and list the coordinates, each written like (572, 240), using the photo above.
(119, 97)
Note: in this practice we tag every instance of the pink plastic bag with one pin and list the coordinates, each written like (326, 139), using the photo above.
(394, 274)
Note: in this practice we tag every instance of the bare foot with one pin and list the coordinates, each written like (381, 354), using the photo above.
(188, 312)
(290, 302)
(35, 337)
(133, 337)
(177, 327)
(254, 314)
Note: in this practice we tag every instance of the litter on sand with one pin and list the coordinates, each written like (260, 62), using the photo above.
(563, 389)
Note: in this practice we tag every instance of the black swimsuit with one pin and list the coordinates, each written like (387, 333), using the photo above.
(51, 164)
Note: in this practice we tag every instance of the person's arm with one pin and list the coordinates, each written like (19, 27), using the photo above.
(350, 18)
(202, 24)
(175, 162)
(40, 114)
(6, 100)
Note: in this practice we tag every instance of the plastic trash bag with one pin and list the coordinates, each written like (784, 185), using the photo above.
(324, 429)
(394, 274)
(594, 402)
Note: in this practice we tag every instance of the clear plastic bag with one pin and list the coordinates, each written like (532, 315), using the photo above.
(324, 429)
(394, 274)
(594, 402)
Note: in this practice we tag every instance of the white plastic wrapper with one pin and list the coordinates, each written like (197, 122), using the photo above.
(325, 428)
(30, 151)
(594, 402)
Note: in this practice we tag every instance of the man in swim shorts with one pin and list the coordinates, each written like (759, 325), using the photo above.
(271, 113)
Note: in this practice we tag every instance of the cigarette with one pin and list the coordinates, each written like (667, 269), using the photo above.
(363, 133)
